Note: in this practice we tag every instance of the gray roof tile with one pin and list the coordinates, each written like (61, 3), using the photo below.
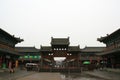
(74, 48)
(60, 41)
(27, 49)
(93, 49)
(45, 48)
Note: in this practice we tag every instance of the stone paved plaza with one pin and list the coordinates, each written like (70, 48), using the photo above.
(42, 76)
(106, 74)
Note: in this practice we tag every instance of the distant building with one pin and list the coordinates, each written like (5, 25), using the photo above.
(28, 55)
(7, 48)
(89, 54)
(111, 53)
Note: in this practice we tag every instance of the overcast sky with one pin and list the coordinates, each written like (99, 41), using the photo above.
(36, 21)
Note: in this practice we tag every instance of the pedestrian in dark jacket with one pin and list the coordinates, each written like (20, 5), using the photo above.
(12, 66)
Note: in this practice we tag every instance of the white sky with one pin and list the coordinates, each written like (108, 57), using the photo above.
(36, 21)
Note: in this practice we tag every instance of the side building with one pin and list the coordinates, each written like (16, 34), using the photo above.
(89, 55)
(111, 54)
(28, 55)
(89, 60)
(7, 48)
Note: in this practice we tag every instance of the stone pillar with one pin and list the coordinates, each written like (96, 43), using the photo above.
(41, 61)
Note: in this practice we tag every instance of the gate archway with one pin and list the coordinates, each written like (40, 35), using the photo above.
(59, 48)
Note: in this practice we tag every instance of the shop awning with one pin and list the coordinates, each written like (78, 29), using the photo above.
(86, 62)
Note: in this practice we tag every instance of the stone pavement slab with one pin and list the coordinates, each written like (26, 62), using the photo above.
(104, 74)
(98, 75)
(42, 76)
(112, 70)
(13, 76)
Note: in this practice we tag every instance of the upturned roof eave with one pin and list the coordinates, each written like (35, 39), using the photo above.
(103, 39)
(18, 40)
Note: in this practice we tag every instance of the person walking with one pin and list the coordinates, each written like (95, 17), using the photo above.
(12, 66)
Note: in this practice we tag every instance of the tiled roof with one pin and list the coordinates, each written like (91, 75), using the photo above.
(10, 36)
(27, 49)
(60, 41)
(106, 38)
(46, 48)
(114, 51)
(73, 48)
(93, 49)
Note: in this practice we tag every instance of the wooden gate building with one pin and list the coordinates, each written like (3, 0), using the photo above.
(60, 47)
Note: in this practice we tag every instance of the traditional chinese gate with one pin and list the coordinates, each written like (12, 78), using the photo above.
(60, 48)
